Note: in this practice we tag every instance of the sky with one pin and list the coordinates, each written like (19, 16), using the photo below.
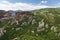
(28, 4)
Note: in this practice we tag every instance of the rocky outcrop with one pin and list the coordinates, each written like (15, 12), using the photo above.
(4, 16)
(2, 31)
(41, 26)
(23, 14)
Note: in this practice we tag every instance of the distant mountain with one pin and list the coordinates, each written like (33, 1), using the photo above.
(14, 12)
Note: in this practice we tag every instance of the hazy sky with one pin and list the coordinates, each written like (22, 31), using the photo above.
(28, 4)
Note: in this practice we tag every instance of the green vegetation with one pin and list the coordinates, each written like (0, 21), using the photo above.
(49, 18)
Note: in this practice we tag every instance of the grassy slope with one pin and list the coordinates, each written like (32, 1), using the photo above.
(25, 31)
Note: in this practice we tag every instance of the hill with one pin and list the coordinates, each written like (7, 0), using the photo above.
(42, 24)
